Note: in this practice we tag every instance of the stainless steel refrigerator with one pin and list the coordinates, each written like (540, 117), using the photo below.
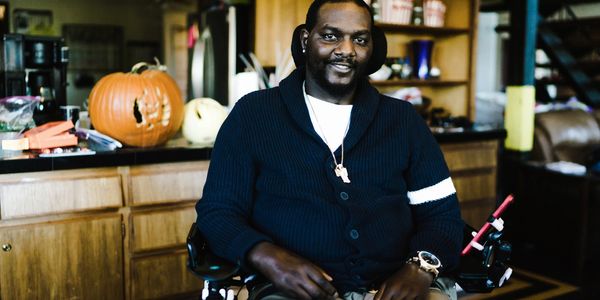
(224, 32)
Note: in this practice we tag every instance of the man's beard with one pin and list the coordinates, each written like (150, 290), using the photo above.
(336, 90)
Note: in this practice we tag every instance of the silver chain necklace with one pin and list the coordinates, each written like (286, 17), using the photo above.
(340, 170)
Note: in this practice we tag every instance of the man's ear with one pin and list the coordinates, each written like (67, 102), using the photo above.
(299, 40)
(304, 38)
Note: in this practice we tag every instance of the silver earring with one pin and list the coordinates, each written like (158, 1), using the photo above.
(303, 50)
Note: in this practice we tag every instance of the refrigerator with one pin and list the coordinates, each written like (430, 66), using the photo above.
(222, 30)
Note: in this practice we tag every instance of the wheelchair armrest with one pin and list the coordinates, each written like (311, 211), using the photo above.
(205, 264)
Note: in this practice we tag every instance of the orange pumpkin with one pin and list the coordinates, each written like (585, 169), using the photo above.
(139, 108)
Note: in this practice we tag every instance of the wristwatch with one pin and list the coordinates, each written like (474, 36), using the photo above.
(427, 262)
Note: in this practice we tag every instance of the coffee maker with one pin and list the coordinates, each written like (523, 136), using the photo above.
(35, 66)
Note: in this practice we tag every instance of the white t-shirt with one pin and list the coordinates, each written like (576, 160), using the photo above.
(334, 120)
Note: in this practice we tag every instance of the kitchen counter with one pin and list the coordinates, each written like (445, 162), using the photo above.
(478, 133)
(178, 150)
(174, 151)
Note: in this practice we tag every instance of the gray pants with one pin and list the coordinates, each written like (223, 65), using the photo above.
(441, 288)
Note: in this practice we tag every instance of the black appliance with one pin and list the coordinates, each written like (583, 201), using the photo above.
(224, 32)
(35, 66)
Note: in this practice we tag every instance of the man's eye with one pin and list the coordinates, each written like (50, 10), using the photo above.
(361, 41)
(329, 37)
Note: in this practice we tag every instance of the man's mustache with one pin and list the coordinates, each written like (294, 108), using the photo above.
(347, 61)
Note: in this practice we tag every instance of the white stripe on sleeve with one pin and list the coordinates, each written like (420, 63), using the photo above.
(434, 192)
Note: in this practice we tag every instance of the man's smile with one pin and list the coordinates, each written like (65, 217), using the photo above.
(342, 66)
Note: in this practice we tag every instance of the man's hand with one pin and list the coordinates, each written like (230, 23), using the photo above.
(408, 283)
(290, 273)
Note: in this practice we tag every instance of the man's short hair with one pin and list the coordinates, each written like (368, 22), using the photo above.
(313, 11)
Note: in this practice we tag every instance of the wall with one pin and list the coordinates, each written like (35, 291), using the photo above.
(142, 20)
(487, 54)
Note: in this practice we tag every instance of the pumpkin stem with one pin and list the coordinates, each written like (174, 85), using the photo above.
(159, 66)
(137, 68)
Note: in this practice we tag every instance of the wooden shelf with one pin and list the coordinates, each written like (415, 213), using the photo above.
(417, 82)
(388, 27)
(453, 53)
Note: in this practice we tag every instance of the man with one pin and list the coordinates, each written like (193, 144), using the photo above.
(328, 188)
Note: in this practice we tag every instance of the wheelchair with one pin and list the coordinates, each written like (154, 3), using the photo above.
(481, 270)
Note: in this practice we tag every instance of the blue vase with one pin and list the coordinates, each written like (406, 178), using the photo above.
(421, 50)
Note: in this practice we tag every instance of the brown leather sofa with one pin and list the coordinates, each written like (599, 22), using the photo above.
(570, 135)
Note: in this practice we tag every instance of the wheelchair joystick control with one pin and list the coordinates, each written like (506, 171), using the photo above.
(486, 268)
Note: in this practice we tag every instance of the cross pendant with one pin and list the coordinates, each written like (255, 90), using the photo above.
(341, 171)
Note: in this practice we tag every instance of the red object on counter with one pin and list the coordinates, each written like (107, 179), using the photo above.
(49, 129)
(51, 135)
(61, 140)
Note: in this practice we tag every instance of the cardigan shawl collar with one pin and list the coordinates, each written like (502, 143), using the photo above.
(364, 107)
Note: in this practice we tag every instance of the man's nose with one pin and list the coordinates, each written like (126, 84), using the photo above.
(345, 48)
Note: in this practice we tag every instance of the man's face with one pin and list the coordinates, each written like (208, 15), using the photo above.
(339, 47)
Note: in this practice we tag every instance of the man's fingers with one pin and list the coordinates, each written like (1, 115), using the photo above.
(301, 293)
(379, 294)
(323, 281)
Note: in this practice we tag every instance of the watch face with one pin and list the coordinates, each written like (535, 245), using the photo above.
(429, 258)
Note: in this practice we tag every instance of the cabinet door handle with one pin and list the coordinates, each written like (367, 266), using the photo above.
(6, 247)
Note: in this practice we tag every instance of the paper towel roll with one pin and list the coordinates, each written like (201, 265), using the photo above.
(243, 83)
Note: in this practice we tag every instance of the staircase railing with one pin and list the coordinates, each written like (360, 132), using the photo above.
(567, 65)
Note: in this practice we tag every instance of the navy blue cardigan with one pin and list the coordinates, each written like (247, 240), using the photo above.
(271, 179)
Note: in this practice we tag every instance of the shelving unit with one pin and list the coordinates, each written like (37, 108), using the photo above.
(422, 29)
(453, 53)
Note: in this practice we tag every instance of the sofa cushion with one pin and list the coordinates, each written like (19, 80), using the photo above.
(568, 135)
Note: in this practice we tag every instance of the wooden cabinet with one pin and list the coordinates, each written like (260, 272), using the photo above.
(162, 199)
(275, 21)
(101, 233)
(166, 183)
(473, 167)
(157, 255)
(47, 193)
(164, 277)
(63, 260)
(453, 53)
(161, 228)
(61, 235)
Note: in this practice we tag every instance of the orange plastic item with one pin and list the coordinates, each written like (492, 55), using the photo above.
(61, 140)
(49, 129)
(51, 135)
